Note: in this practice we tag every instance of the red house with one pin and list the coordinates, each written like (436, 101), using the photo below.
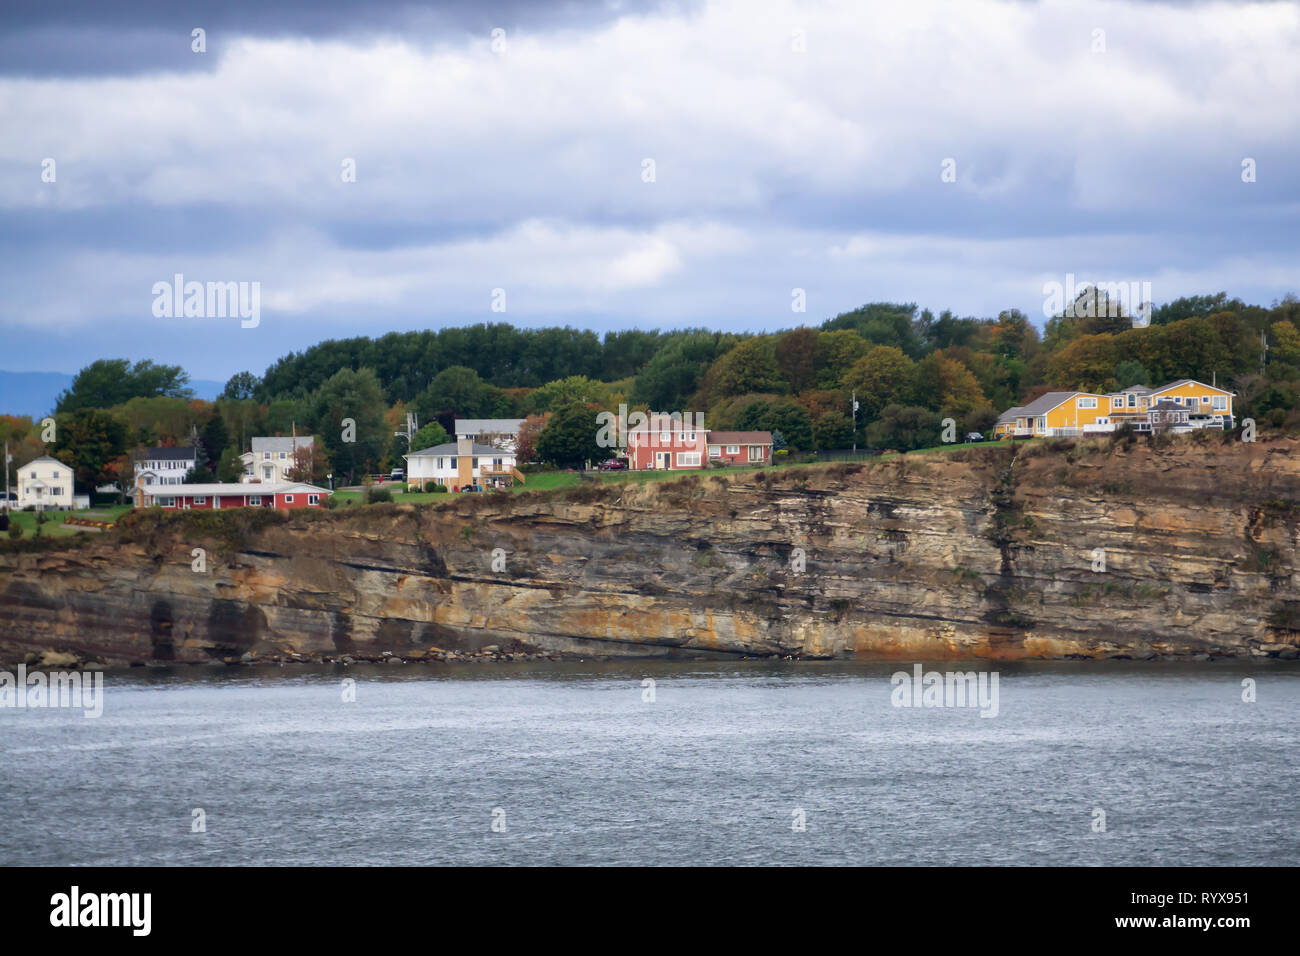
(667, 441)
(740, 448)
(284, 495)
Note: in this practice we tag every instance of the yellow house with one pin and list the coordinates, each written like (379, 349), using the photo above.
(1063, 414)
(1066, 414)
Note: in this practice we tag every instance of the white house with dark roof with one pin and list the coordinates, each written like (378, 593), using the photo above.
(272, 459)
(165, 466)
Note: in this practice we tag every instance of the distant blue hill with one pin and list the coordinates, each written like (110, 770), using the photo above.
(35, 393)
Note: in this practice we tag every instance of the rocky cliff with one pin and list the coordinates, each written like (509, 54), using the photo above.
(1040, 551)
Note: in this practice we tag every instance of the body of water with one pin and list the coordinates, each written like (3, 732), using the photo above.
(576, 764)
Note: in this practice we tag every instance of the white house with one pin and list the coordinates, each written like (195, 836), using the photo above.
(461, 464)
(45, 483)
(502, 433)
(272, 459)
(165, 466)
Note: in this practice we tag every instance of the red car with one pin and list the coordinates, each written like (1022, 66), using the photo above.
(614, 464)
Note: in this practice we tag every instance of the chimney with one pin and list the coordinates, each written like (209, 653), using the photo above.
(464, 447)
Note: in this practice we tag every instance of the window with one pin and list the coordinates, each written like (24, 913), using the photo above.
(282, 456)
(56, 490)
(453, 462)
(733, 449)
(167, 501)
(663, 437)
(1086, 403)
(690, 436)
(715, 451)
(1041, 423)
(255, 500)
(312, 499)
(756, 453)
(686, 459)
(266, 456)
(200, 500)
(473, 462)
(1132, 400)
(1220, 403)
(33, 476)
(288, 499)
(1117, 401)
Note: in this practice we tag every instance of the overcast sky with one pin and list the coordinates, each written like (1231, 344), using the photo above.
(794, 145)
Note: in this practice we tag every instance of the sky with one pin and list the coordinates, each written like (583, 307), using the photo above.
(619, 165)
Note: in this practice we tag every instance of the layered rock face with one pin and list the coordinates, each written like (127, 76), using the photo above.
(1003, 553)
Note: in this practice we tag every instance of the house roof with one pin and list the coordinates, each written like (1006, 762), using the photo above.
(281, 443)
(450, 448)
(740, 438)
(1045, 403)
(235, 488)
(1136, 389)
(1190, 381)
(46, 459)
(171, 453)
(479, 426)
(1011, 414)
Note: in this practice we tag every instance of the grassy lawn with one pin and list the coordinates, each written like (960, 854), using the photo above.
(54, 523)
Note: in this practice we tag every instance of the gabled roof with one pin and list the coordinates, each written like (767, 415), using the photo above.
(282, 443)
(740, 438)
(450, 449)
(1011, 414)
(1190, 381)
(171, 453)
(478, 426)
(1045, 403)
(46, 459)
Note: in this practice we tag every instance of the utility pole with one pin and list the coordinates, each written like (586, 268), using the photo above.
(855, 421)
(1263, 351)
(8, 458)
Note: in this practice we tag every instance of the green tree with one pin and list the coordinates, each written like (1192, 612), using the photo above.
(833, 430)
(884, 376)
(429, 436)
(230, 467)
(904, 428)
(241, 386)
(91, 441)
(110, 382)
(348, 414)
(569, 438)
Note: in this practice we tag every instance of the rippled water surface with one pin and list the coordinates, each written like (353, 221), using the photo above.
(710, 772)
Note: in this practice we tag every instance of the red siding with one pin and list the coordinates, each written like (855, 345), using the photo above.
(644, 448)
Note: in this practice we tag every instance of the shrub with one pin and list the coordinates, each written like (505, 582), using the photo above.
(15, 530)
(331, 502)
(376, 495)
(435, 488)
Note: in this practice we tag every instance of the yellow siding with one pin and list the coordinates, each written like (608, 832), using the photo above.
(1193, 389)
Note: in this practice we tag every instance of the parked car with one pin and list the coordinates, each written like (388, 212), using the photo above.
(397, 475)
(614, 464)
(974, 436)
